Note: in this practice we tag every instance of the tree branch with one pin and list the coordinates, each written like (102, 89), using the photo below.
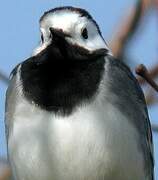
(6, 174)
(4, 78)
(129, 27)
(155, 128)
(153, 74)
(142, 71)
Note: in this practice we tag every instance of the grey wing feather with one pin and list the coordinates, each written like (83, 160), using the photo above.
(11, 97)
(127, 86)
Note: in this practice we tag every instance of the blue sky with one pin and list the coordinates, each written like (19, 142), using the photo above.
(19, 35)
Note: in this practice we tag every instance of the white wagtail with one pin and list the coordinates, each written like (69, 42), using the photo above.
(73, 111)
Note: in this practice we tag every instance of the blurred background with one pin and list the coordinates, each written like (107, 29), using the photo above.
(130, 27)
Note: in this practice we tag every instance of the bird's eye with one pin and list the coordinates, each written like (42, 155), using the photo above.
(84, 33)
(42, 38)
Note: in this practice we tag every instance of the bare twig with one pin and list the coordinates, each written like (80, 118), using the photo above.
(150, 97)
(142, 71)
(4, 78)
(155, 128)
(153, 74)
(129, 27)
(155, 3)
(6, 174)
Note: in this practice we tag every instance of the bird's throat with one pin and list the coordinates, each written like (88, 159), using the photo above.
(60, 85)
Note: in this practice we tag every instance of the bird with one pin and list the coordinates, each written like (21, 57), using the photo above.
(73, 110)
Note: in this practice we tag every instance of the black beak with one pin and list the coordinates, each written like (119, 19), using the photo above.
(101, 52)
(58, 33)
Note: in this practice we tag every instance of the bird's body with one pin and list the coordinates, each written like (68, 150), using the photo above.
(77, 120)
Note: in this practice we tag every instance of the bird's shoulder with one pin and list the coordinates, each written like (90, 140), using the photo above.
(118, 69)
(14, 71)
(126, 84)
(13, 95)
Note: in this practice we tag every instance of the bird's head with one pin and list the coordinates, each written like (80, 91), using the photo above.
(71, 32)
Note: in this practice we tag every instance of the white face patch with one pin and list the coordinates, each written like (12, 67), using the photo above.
(72, 23)
(93, 41)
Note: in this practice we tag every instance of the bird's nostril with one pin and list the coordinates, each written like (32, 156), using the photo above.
(51, 32)
(50, 35)
(58, 33)
(51, 29)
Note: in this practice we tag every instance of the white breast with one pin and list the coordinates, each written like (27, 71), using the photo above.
(95, 142)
